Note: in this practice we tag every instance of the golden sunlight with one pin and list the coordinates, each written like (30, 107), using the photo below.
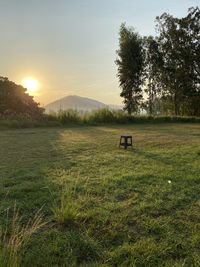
(31, 84)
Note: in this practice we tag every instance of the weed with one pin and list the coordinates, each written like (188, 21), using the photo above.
(14, 237)
(65, 208)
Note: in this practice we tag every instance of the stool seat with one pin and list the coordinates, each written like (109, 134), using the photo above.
(126, 141)
(126, 136)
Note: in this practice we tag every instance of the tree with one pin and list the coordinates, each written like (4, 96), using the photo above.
(15, 101)
(180, 48)
(168, 65)
(153, 64)
(130, 63)
(191, 28)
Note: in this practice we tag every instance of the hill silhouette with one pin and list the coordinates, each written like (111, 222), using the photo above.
(77, 103)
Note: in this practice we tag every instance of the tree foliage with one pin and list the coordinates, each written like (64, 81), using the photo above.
(14, 100)
(170, 65)
(130, 68)
(153, 63)
(179, 43)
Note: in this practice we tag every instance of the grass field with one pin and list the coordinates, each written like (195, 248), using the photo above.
(103, 206)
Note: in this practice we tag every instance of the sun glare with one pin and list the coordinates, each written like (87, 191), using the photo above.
(31, 84)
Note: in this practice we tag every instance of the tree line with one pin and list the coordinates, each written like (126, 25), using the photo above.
(161, 73)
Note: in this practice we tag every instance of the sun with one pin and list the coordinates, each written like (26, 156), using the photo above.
(31, 84)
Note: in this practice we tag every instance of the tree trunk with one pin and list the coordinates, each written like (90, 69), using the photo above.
(176, 105)
(129, 110)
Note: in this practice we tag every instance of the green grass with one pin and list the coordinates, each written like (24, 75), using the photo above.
(105, 206)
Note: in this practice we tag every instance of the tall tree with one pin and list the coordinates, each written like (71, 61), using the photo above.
(170, 49)
(130, 63)
(180, 47)
(190, 26)
(14, 100)
(153, 64)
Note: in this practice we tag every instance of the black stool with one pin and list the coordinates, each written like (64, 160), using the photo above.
(125, 141)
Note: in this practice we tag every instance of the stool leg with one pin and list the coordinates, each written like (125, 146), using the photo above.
(120, 141)
(126, 143)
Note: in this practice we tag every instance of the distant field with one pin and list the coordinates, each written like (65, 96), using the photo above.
(138, 207)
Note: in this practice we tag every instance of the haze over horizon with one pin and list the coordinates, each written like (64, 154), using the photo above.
(70, 46)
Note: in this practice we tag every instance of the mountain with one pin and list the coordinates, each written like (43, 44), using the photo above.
(78, 103)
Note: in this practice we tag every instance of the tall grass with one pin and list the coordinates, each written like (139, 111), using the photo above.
(15, 236)
(69, 116)
(21, 121)
(101, 116)
(104, 116)
(69, 203)
(65, 208)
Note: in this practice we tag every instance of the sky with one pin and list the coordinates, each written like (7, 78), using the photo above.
(70, 46)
